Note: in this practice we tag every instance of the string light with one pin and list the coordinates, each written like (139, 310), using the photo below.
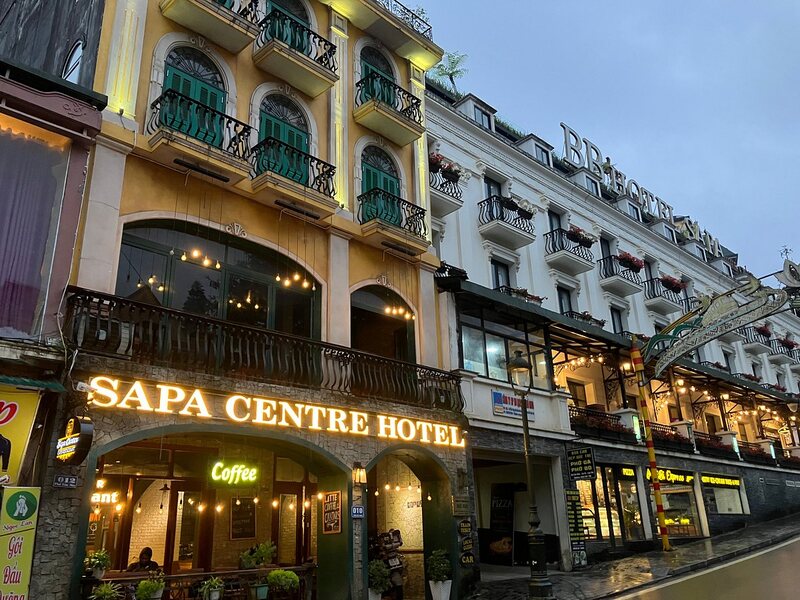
(218, 266)
(196, 253)
(238, 501)
(139, 508)
(397, 488)
(206, 261)
(255, 500)
(183, 256)
(319, 496)
(387, 487)
(307, 504)
(151, 280)
(161, 287)
(139, 283)
(291, 505)
(429, 497)
(119, 507)
(97, 509)
(278, 277)
(296, 276)
(377, 493)
(201, 507)
(275, 503)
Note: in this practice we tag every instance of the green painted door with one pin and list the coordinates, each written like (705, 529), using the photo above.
(380, 206)
(380, 87)
(280, 159)
(288, 28)
(202, 119)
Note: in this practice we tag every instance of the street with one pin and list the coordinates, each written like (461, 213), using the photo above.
(773, 571)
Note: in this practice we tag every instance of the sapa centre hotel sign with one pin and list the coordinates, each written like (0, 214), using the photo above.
(170, 399)
(580, 152)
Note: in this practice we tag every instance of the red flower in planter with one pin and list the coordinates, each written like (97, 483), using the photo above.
(712, 442)
(749, 377)
(764, 330)
(669, 436)
(672, 283)
(631, 262)
(787, 343)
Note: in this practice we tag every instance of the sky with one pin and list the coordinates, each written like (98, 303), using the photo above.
(697, 100)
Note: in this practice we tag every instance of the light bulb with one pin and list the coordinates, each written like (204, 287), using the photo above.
(419, 489)
(238, 305)
(408, 316)
(161, 508)
(377, 493)
(278, 278)
(319, 496)
(139, 283)
(429, 498)
(218, 266)
(387, 487)
(161, 288)
(248, 299)
(230, 301)
(397, 488)
(275, 503)
(296, 276)
(287, 282)
(97, 509)
(307, 503)
(256, 307)
(679, 382)
(387, 310)
(401, 310)
(313, 287)
(255, 500)
(305, 284)
(409, 487)
(119, 507)
(196, 253)
(218, 508)
(206, 262)
(238, 502)
(151, 280)
(413, 317)
(183, 256)
(291, 505)
(201, 507)
(139, 509)
(172, 251)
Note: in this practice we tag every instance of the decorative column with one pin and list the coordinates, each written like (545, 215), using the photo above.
(420, 169)
(125, 57)
(426, 318)
(629, 418)
(338, 316)
(729, 439)
(338, 152)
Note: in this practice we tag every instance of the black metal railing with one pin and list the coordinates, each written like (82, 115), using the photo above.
(776, 347)
(108, 325)
(667, 430)
(654, 288)
(611, 267)
(710, 438)
(587, 414)
(382, 89)
(282, 159)
(689, 304)
(557, 240)
(573, 314)
(519, 293)
(498, 208)
(715, 365)
(172, 110)
(446, 186)
(751, 336)
(247, 9)
(408, 16)
(380, 205)
(281, 27)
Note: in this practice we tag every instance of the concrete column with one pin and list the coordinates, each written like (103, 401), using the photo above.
(729, 438)
(100, 247)
(766, 446)
(426, 318)
(338, 288)
(340, 113)
(630, 419)
(684, 428)
(125, 56)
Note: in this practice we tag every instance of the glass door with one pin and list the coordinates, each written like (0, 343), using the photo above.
(185, 529)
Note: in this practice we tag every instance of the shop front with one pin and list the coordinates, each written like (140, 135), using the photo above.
(679, 494)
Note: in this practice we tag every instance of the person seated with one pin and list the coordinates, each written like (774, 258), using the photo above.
(145, 562)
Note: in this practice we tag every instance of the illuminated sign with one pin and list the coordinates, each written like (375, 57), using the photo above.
(725, 481)
(105, 498)
(233, 474)
(629, 472)
(167, 399)
(74, 445)
(671, 476)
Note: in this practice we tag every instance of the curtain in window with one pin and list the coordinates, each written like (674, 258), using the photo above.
(31, 173)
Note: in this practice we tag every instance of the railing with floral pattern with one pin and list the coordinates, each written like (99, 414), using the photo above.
(247, 9)
(383, 206)
(446, 186)
(557, 240)
(781, 347)
(654, 288)
(611, 267)
(278, 157)
(584, 316)
(408, 16)
(382, 89)
(498, 208)
(279, 26)
(753, 336)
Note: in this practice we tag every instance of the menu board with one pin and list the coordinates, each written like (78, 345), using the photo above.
(581, 463)
(243, 519)
(332, 512)
(577, 534)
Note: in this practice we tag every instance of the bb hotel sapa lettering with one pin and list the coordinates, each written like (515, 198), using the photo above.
(166, 399)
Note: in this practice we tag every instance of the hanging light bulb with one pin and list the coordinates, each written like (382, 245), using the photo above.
(161, 287)
(183, 256)
(275, 503)
(291, 505)
(305, 284)
(394, 310)
(238, 501)
(287, 282)
(119, 507)
(413, 317)
(387, 310)
(377, 493)
(296, 276)
(307, 504)
(401, 310)
(387, 487)
(278, 277)
(397, 488)
(201, 507)
(256, 306)
(218, 266)
(248, 299)
(206, 261)
(429, 497)
(319, 496)
(151, 280)
(218, 507)
(410, 487)
(139, 508)
(408, 316)
(238, 305)
(172, 251)
(255, 500)
(161, 508)
(97, 509)
(196, 253)
(419, 489)
(139, 283)
(230, 301)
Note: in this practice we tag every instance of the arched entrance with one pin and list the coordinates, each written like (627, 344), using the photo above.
(382, 323)
(408, 499)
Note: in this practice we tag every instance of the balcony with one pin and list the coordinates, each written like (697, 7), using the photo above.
(396, 26)
(387, 109)
(306, 181)
(445, 195)
(709, 444)
(754, 453)
(659, 299)
(388, 221)
(565, 255)
(795, 364)
(288, 49)
(732, 337)
(227, 23)
(689, 304)
(501, 220)
(183, 129)
(110, 326)
(781, 353)
(596, 424)
(756, 342)
(586, 317)
(665, 437)
(616, 279)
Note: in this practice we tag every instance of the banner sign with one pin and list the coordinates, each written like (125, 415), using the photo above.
(577, 534)
(580, 462)
(723, 481)
(75, 441)
(672, 476)
(501, 524)
(18, 516)
(504, 405)
(332, 512)
(17, 413)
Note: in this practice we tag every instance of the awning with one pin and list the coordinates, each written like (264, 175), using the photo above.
(44, 384)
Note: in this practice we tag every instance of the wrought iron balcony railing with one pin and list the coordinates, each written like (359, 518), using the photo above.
(405, 14)
(247, 9)
(690, 303)
(586, 318)
(377, 87)
(108, 325)
(522, 294)
(282, 159)
(751, 336)
(172, 110)
(653, 288)
(380, 205)
(446, 186)
(610, 267)
(498, 208)
(557, 240)
(279, 26)
(776, 347)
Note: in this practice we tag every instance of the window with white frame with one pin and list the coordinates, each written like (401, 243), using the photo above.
(483, 118)
(634, 212)
(592, 186)
(501, 274)
(564, 299)
(617, 320)
(730, 359)
(542, 155)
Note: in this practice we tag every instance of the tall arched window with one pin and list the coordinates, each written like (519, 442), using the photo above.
(382, 323)
(287, 21)
(72, 66)
(380, 187)
(198, 106)
(377, 75)
(282, 120)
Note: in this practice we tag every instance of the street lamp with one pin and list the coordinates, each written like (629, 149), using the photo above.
(539, 586)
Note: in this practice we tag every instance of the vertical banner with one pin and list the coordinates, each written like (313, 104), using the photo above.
(17, 413)
(332, 512)
(501, 524)
(20, 510)
(577, 533)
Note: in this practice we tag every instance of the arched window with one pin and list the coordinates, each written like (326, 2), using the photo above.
(373, 60)
(292, 8)
(382, 323)
(377, 76)
(72, 66)
(282, 120)
(378, 171)
(199, 86)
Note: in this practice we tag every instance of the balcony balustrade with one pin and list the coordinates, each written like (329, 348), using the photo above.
(617, 279)
(586, 318)
(290, 50)
(503, 221)
(586, 422)
(780, 354)
(446, 195)
(709, 444)
(107, 325)
(390, 221)
(408, 16)
(756, 342)
(660, 299)
(566, 255)
(795, 364)
(386, 108)
(522, 294)
(754, 453)
(689, 304)
(665, 437)
(232, 24)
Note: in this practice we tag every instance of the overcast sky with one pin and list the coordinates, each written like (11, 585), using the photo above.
(696, 100)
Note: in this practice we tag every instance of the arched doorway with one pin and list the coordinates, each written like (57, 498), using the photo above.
(382, 323)
(283, 121)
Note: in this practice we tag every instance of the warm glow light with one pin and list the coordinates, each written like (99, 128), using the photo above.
(101, 483)
(679, 382)
(387, 310)
(307, 504)
(377, 493)
(119, 507)
(256, 306)
(218, 508)
(291, 505)
(275, 503)
(626, 366)
(387, 487)
(277, 278)
(255, 500)
(408, 316)
(97, 509)
(218, 266)
(183, 256)
(201, 507)
(305, 283)
(139, 508)
(238, 502)
(429, 498)
(682, 390)
(161, 288)
(238, 305)
(319, 496)
(191, 501)
(397, 488)
(151, 280)
(196, 253)
(206, 262)
(287, 282)
(726, 396)
(296, 276)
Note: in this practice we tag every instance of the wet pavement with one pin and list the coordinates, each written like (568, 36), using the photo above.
(615, 577)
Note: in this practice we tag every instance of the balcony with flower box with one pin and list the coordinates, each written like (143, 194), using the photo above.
(586, 317)
(666, 437)
(443, 179)
(193, 135)
(503, 221)
(757, 339)
(782, 351)
(521, 294)
(620, 274)
(283, 173)
(232, 24)
(600, 425)
(755, 453)
(387, 109)
(388, 221)
(795, 364)
(569, 251)
(708, 444)
(663, 294)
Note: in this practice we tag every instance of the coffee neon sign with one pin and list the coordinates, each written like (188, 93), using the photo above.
(233, 474)
(169, 399)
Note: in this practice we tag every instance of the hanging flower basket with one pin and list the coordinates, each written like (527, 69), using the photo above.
(630, 262)
(580, 237)
(787, 343)
(435, 162)
(764, 330)
(451, 172)
(673, 284)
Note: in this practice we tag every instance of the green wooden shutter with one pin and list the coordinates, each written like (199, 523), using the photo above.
(380, 206)
(190, 118)
(291, 165)
(289, 29)
(378, 88)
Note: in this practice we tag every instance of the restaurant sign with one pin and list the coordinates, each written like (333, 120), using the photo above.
(169, 399)
(234, 474)
(18, 516)
(332, 512)
(76, 440)
(671, 476)
(723, 481)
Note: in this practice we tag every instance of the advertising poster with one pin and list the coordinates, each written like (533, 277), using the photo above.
(20, 510)
(332, 512)
(501, 525)
(17, 412)
(504, 405)
(577, 533)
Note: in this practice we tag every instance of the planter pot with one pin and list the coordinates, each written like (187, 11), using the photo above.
(586, 243)
(434, 167)
(440, 590)
(373, 595)
(574, 237)
(98, 573)
(631, 267)
(157, 594)
(259, 591)
(213, 595)
(451, 176)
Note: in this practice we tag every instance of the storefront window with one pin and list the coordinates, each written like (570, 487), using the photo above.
(610, 506)
(723, 494)
(33, 172)
(680, 503)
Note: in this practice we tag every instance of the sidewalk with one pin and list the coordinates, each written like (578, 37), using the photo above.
(614, 577)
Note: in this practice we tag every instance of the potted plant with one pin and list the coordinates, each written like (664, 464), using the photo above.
(98, 562)
(378, 577)
(787, 343)
(673, 284)
(282, 584)
(107, 591)
(451, 172)
(764, 330)
(258, 555)
(435, 161)
(211, 588)
(151, 588)
(439, 575)
(579, 236)
(630, 262)
(258, 590)
(751, 377)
